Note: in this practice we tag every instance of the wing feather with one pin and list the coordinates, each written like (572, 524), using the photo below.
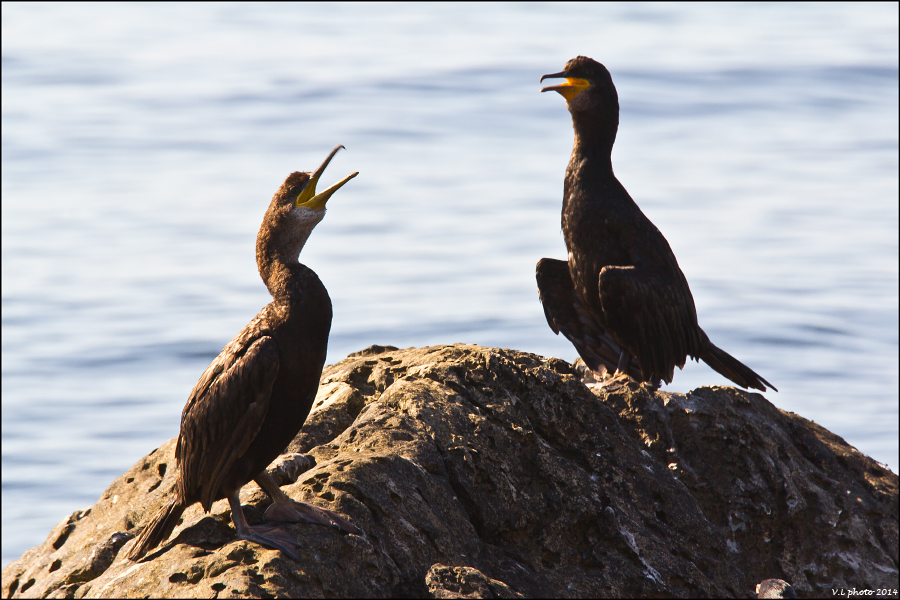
(567, 313)
(225, 412)
(654, 319)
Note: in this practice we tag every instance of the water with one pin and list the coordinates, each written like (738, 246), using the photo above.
(142, 144)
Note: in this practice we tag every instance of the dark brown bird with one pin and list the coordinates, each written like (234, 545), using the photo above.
(621, 299)
(255, 396)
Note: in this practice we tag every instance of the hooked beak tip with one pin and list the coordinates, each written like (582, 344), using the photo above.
(559, 75)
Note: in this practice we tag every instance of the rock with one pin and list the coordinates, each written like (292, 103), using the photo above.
(809, 507)
(482, 472)
(775, 588)
(288, 467)
(464, 582)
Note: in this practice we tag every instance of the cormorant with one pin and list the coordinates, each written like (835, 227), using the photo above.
(255, 396)
(621, 299)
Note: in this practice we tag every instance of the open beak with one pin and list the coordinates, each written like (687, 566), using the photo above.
(309, 198)
(568, 90)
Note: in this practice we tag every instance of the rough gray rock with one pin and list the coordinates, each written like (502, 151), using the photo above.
(481, 472)
(775, 588)
(446, 583)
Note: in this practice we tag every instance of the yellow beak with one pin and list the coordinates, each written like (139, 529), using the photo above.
(568, 90)
(309, 198)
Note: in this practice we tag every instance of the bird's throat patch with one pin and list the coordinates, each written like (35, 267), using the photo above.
(572, 87)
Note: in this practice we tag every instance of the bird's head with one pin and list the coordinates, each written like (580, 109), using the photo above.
(588, 86)
(294, 211)
(297, 195)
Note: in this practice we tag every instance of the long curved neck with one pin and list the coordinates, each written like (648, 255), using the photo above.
(594, 136)
(278, 246)
(278, 275)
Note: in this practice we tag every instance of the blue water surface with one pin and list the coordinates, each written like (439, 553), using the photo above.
(143, 142)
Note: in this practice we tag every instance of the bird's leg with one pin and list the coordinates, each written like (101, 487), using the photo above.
(621, 376)
(265, 535)
(624, 361)
(285, 508)
(653, 386)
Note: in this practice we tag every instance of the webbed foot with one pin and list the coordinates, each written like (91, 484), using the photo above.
(271, 537)
(301, 512)
(265, 535)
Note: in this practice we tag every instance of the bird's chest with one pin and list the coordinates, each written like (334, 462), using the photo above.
(589, 236)
(596, 237)
(303, 336)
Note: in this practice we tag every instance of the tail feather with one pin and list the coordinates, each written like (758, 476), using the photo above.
(159, 528)
(733, 369)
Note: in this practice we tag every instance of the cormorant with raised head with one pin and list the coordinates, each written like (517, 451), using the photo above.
(621, 298)
(255, 396)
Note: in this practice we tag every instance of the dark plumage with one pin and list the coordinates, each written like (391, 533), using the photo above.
(622, 294)
(255, 396)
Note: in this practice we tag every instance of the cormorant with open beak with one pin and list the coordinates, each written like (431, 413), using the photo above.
(255, 396)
